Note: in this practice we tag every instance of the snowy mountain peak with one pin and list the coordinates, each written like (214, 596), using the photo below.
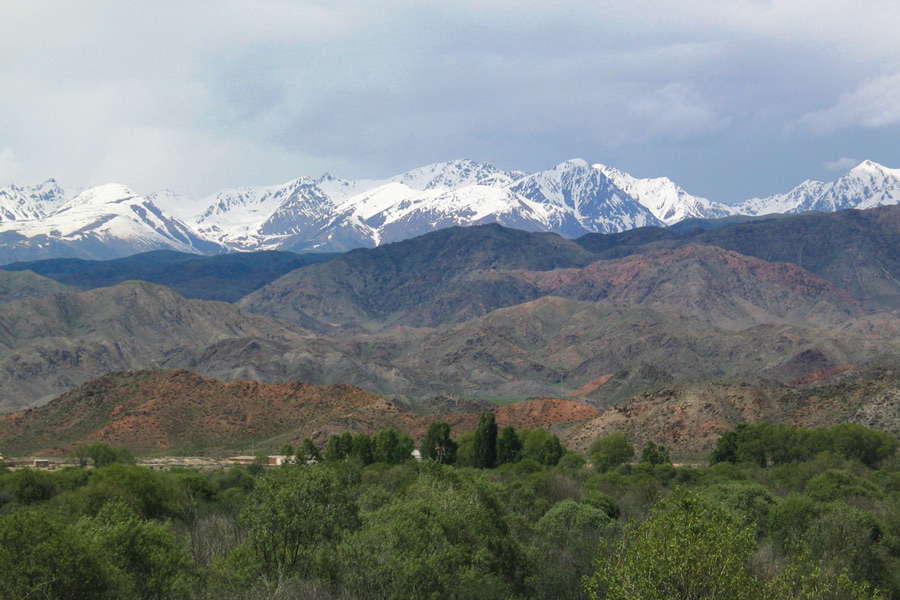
(869, 169)
(662, 197)
(333, 214)
(30, 202)
(452, 175)
(103, 194)
(572, 163)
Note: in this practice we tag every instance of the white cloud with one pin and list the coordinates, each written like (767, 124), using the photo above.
(874, 105)
(841, 164)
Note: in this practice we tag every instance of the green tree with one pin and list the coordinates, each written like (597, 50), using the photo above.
(346, 444)
(29, 486)
(155, 563)
(308, 452)
(610, 451)
(334, 450)
(437, 445)
(286, 450)
(854, 442)
(565, 543)
(361, 449)
(726, 449)
(42, 557)
(509, 446)
(291, 514)
(485, 448)
(392, 447)
(151, 494)
(687, 548)
(447, 536)
(103, 454)
(655, 454)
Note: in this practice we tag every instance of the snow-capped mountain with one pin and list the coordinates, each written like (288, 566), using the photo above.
(332, 214)
(101, 222)
(864, 186)
(664, 198)
(19, 203)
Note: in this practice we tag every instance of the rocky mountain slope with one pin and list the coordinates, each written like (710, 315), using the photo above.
(178, 411)
(689, 416)
(486, 312)
(854, 250)
(27, 284)
(54, 343)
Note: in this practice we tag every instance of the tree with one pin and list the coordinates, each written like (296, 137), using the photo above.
(103, 454)
(42, 557)
(437, 445)
(726, 449)
(655, 454)
(307, 452)
(346, 444)
(610, 451)
(286, 450)
(291, 514)
(333, 451)
(29, 486)
(485, 449)
(509, 446)
(150, 493)
(392, 447)
(155, 562)
(80, 456)
(687, 548)
(447, 536)
(361, 449)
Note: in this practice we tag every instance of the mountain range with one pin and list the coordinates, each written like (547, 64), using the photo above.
(675, 332)
(481, 311)
(334, 215)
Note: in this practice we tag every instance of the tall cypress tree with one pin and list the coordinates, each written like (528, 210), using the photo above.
(485, 447)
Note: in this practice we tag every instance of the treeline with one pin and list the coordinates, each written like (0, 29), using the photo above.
(779, 512)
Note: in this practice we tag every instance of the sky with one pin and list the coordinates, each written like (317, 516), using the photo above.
(731, 99)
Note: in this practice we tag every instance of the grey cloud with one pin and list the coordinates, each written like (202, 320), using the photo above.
(875, 104)
(195, 96)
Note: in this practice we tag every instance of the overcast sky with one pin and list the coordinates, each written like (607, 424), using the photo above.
(731, 99)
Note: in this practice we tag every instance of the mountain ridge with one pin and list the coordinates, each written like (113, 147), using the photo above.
(572, 198)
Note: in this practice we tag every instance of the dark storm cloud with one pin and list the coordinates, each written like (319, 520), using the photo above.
(731, 99)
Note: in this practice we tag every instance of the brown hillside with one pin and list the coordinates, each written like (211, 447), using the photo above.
(689, 417)
(156, 411)
(165, 410)
(716, 285)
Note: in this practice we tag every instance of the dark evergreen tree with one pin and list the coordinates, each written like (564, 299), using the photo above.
(726, 449)
(485, 449)
(346, 444)
(509, 446)
(437, 444)
(361, 449)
